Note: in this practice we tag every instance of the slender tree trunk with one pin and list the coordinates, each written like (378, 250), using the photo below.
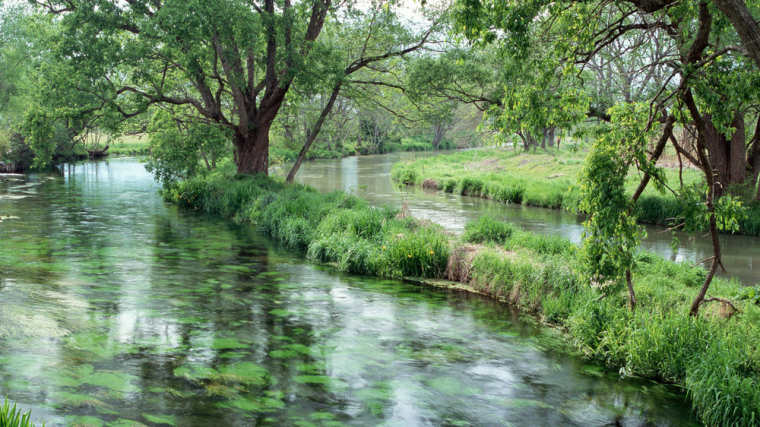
(631, 293)
(311, 134)
(439, 131)
(694, 311)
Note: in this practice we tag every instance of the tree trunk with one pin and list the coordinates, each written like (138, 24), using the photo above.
(439, 131)
(753, 158)
(727, 157)
(745, 25)
(631, 293)
(252, 151)
(738, 152)
(311, 134)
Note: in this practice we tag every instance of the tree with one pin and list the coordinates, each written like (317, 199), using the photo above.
(708, 86)
(231, 61)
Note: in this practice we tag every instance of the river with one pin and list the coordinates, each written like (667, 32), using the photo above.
(369, 177)
(118, 309)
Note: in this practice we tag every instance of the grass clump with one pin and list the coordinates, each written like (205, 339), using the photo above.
(487, 229)
(11, 416)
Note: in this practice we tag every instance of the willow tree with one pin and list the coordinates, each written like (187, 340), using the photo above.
(231, 61)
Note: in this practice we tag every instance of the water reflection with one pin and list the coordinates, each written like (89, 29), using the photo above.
(119, 309)
(369, 177)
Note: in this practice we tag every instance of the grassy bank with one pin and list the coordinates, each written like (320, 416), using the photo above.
(130, 145)
(546, 180)
(715, 358)
(281, 154)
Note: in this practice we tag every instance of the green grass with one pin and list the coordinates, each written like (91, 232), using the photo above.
(130, 145)
(715, 358)
(486, 229)
(333, 228)
(547, 180)
(11, 416)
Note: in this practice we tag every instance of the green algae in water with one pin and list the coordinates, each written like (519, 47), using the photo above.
(115, 381)
(259, 404)
(195, 372)
(228, 344)
(279, 312)
(160, 419)
(123, 422)
(75, 400)
(244, 372)
(83, 421)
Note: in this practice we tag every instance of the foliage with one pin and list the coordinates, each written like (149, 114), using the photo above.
(10, 416)
(181, 150)
(611, 233)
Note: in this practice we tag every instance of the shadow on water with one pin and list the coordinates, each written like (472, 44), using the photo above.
(117, 308)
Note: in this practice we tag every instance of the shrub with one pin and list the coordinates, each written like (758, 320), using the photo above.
(487, 229)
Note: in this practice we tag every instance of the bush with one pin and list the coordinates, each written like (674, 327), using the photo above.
(486, 229)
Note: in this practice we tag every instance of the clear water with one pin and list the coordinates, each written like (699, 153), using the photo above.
(118, 309)
(369, 177)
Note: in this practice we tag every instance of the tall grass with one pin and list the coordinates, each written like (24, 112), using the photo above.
(11, 416)
(331, 228)
(714, 358)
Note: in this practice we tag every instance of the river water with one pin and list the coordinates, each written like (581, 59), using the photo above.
(118, 309)
(369, 177)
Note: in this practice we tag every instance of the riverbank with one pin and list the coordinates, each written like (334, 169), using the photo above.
(548, 180)
(714, 358)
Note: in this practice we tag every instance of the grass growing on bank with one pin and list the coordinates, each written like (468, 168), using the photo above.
(331, 228)
(130, 145)
(715, 358)
(544, 180)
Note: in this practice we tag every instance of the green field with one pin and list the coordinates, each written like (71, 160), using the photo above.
(547, 179)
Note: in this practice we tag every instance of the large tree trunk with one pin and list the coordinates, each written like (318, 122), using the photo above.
(252, 151)
(727, 157)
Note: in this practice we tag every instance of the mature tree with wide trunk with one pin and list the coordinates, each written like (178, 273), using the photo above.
(707, 77)
(232, 61)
